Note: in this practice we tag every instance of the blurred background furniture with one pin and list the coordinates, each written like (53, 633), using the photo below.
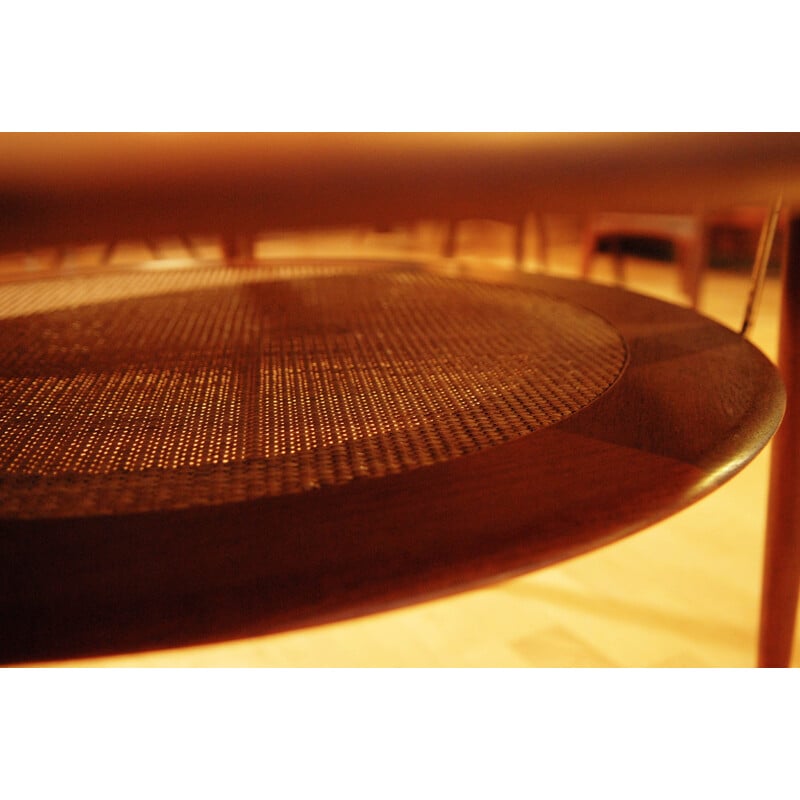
(727, 235)
(527, 241)
(684, 234)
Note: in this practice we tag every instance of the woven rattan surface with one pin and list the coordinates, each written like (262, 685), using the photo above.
(142, 391)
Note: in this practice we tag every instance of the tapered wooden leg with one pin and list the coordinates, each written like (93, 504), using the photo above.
(618, 261)
(782, 552)
(519, 244)
(450, 239)
(541, 241)
(152, 246)
(107, 253)
(697, 262)
(237, 249)
(691, 256)
(588, 246)
(188, 245)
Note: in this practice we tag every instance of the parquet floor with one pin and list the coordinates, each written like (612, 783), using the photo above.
(684, 593)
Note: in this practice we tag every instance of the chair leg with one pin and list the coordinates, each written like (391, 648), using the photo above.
(541, 241)
(519, 244)
(618, 261)
(696, 261)
(107, 253)
(237, 249)
(450, 240)
(688, 255)
(781, 579)
(188, 245)
(588, 246)
(152, 246)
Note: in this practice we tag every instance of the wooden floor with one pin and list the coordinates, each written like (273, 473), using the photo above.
(684, 593)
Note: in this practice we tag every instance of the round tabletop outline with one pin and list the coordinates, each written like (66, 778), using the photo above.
(205, 565)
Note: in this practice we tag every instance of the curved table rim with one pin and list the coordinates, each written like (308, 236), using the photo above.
(694, 405)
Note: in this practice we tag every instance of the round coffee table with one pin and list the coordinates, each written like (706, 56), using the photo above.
(200, 454)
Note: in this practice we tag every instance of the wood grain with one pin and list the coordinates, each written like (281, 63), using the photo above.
(682, 593)
(695, 403)
(65, 190)
(781, 580)
(82, 188)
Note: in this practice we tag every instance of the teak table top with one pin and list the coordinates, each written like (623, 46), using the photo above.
(267, 481)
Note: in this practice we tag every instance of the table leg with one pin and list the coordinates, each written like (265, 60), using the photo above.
(188, 245)
(541, 241)
(237, 249)
(782, 552)
(450, 240)
(694, 252)
(588, 246)
(618, 260)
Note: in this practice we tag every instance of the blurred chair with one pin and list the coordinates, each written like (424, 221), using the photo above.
(529, 234)
(731, 233)
(685, 234)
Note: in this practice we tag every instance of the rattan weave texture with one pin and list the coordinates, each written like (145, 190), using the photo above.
(154, 390)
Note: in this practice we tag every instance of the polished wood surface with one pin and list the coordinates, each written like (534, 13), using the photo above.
(694, 404)
(781, 580)
(682, 593)
(71, 189)
(61, 188)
